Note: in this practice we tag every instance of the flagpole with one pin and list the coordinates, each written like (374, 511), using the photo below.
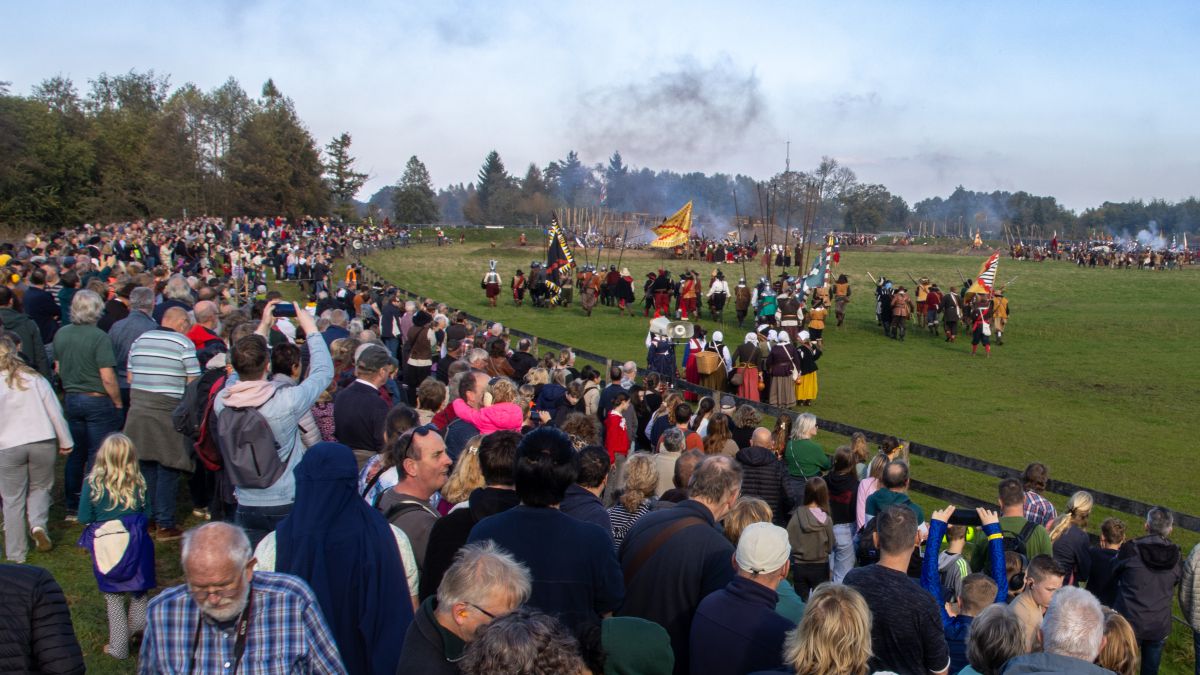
(737, 220)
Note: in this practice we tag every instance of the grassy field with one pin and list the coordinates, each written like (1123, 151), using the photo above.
(1095, 379)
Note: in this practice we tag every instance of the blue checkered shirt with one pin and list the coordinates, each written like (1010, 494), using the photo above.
(287, 633)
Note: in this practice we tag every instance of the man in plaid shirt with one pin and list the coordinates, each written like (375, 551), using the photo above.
(1038, 509)
(228, 618)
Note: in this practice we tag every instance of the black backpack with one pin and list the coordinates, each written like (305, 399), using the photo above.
(249, 451)
(188, 415)
(1016, 543)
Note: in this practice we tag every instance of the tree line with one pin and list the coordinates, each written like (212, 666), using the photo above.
(132, 146)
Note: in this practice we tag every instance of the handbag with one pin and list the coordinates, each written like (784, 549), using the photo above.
(987, 329)
(736, 378)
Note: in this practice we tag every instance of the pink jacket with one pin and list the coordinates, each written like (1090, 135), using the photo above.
(496, 417)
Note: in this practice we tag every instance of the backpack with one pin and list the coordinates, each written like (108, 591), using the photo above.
(188, 415)
(1016, 543)
(249, 451)
(205, 443)
(400, 508)
(865, 552)
(707, 362)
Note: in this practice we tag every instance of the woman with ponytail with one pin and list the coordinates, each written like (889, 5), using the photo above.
(1070, 539)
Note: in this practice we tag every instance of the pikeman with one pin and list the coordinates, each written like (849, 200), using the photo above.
(788, 309)
(841, 296)
(518, 284)
(662, 289)
(718, 293)
(922, 291)
(999, 314)
(491, 283)
(741, 300)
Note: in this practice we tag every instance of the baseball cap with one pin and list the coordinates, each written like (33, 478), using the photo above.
(763, 548)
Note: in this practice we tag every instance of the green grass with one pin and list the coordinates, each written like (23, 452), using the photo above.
(1094, 378)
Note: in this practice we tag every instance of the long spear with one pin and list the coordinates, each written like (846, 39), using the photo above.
(622, 254)
(737, 219)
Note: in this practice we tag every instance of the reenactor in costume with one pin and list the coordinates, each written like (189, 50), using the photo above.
(741, 300)
(933, 303)
(589, 289)
(648, 293)
(841, 296)
(816, 320)
(883, 305)
(922, 293)
(518, 284)
(537, 285)
(491, 283)
(980, 328)
(789, 310)
(902, 308)
(952, 313)
(566, 285)
(662, 289)
(660, 355)
(523, 240)
(718, 293)
(765, 302)
(687, 296)
(999, 314)
(624, 292)
(609, 295)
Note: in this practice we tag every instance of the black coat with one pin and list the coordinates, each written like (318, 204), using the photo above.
(764, 475)
(450, 532)
(359, 414)
(424, 649)
(36, 635)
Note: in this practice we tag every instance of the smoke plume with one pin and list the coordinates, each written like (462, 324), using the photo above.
(693, 113)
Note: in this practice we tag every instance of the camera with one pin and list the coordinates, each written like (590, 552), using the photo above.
(285, 309)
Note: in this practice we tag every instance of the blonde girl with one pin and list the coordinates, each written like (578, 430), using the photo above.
(113, 504)
(1070, 538)
(834, 637)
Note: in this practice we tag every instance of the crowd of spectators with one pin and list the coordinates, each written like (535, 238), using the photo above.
(378, 485)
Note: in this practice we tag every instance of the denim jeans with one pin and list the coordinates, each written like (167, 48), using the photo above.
(162, 484)
(393, 346)
(842, 559)
(257, 521)
(90, 419)
(1152, 651)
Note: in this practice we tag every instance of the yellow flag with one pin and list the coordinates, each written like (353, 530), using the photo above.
(675, 230)
(986, 279)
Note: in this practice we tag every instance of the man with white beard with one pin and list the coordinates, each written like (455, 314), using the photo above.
(227, 615)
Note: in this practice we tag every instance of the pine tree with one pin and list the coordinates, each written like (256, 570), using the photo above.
(344, 181)
(495, 194)
(414, 200)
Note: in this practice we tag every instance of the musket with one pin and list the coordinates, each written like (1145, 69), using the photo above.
(873, 279)
(960, 276)
(1010, 281)
(910, 278)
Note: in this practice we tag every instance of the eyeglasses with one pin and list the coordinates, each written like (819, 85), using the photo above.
(405, 442)
(483, 611)
(227, 591)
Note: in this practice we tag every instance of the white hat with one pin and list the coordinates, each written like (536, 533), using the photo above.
(784, 338)
(804, 335)
(717, 336)
(763, 548)
(751, 338)
(761, 329)
(773, 336)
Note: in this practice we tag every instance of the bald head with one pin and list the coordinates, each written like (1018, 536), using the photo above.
(217, 543)
(206, 313)
(762, 438)
(176, 319)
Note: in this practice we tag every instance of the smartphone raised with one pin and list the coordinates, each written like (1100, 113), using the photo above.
(285, 309)
(965, 516)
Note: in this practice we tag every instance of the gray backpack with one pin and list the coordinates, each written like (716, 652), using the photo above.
(249, 451)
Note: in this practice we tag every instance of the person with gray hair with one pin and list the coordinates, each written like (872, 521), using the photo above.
(1148, 570)
(996, 636)
(484, 583)
(670, 448)
(177, 293)
(126, 331)
(666, 578)
(527, 642)
(1072, 635)
(478, 359)
(86, 364)
(205, 625)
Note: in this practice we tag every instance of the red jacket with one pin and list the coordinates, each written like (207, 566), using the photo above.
(616, 438)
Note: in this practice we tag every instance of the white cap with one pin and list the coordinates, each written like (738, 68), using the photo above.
(773, 336)
(804, 335)
(717, 336)
(763, 548)
(784, 338)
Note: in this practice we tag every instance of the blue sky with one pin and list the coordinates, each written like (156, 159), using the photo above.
(1087, 101)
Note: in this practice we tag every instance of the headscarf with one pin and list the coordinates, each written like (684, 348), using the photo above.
(751, 339)
(347, 554)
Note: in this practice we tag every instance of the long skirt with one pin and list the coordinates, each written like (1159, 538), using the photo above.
(692, 376)
(783, 391)
(806, 387)
(749, 386)
(714, 380)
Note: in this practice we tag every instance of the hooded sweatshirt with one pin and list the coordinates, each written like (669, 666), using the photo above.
(1148, 571)
(495, 417)
(810, 535)
(31, 338)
